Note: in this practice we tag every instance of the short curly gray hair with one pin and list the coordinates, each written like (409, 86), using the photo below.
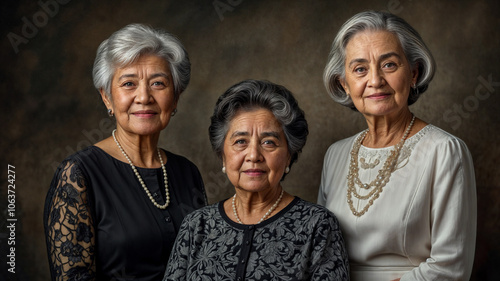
(254, 94)
(415, 50)
(129, 43)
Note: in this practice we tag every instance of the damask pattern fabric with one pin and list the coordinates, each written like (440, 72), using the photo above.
(301, 242)
(100, 224)
(423, 224)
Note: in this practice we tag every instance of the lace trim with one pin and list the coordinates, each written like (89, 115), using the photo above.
(374, 158)
(69, 227)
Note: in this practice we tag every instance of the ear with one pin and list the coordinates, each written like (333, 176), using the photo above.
(414, 74)
(344, 85)
(106, 99)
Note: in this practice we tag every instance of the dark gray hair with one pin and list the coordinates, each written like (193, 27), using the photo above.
(254, 94)
(129, 43)
(416, 52)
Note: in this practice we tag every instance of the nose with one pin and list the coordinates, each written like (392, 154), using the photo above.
(376, 78)
(254, 153)
(143, 95)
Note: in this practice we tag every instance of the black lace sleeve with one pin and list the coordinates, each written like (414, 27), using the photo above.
(69, 229)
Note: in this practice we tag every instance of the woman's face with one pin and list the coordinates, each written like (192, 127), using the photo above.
(142, 96)
(255, 151)
(378, 76)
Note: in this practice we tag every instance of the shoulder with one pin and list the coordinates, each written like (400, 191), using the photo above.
(315, 213)
(203, 214)
(342, 145)
(442, 140)
(179, 161)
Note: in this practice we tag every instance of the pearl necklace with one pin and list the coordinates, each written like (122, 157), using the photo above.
(265, 215)
(167, 195)
(379, 182)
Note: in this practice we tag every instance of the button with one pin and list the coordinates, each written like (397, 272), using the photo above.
(247, 242)
(155, 195)
(243, 261)
(168, 219)
(250, 227)
(239, 278)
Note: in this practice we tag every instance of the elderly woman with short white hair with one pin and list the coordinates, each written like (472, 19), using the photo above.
(113, 209)
(403, 189)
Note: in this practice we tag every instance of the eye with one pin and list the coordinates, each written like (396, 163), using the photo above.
(240, 142)
(269, 143)
(359, 70)
(128, 84)
(158, 83)
(389, 66)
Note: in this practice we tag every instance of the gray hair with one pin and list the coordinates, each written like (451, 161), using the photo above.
(255, 94)
(129, 43)
(416, 52)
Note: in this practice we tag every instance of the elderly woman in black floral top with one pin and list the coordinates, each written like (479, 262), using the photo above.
(262, 232)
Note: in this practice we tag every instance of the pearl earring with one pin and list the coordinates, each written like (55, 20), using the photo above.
(287, 170)
(224, 170)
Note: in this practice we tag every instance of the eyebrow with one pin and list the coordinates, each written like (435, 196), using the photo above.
(155, 75)
(381, 57)
(264, 134)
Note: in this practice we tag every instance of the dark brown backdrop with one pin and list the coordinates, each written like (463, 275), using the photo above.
(50, 109)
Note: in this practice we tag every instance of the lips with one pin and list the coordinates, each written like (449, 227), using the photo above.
(144, 113)
(254, 172)
(378, 96)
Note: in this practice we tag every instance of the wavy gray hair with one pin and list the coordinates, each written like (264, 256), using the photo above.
(129, 43)
(416, 52)
(254, 94)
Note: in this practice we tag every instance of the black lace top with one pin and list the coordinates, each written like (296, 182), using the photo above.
(301, 242)
(100, 224)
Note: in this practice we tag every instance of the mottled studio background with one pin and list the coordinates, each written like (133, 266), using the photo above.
(50, 109)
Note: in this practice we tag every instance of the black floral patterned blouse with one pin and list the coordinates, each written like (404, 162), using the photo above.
(100, 224)
(301, 242)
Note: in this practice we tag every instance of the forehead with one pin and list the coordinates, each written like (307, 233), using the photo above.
(373, 43)
(145, 62)
(249, 120)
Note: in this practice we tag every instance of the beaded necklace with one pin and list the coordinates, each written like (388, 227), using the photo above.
(165, 179)
(265, 215)
(379, 182)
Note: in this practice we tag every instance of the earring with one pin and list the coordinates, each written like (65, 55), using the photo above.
(287, 170)
(174, 112)
(110, 113)
(223, 170)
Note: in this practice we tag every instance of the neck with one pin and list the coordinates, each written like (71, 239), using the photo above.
(386, 130)
(142, 150)
(251, 206)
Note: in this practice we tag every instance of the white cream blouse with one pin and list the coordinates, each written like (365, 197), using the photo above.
(423, 225)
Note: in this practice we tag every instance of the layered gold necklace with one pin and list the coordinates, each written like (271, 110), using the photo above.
(380, 180)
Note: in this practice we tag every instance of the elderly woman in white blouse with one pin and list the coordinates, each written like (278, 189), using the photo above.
(403, 190)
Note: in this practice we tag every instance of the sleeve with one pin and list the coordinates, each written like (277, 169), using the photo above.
(324, 177)
(453, 216)
(68, 223)
(179, 257)
(329, 257)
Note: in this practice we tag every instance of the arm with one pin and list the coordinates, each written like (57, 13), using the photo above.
(69, 229)
(453, 216)
(179, 258)
(329, 257)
